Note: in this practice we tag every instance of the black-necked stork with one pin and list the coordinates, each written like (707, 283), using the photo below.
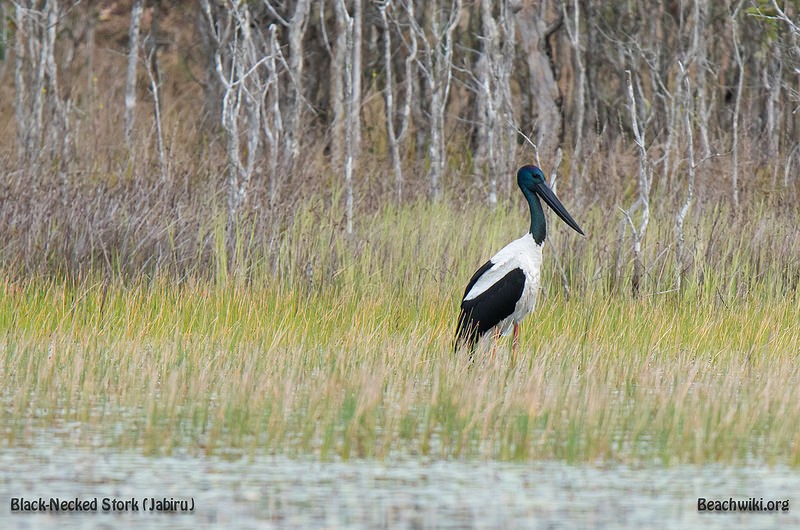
(505, 288)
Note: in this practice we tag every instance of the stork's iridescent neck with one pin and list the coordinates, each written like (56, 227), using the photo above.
(538, 223)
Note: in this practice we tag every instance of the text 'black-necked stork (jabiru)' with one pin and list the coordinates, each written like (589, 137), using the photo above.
(504, 290)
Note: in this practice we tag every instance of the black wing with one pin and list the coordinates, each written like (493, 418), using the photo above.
(488, 309)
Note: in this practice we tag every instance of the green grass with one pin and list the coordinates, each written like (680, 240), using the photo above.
(340, 347)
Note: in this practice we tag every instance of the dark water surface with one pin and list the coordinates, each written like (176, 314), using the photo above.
(279, 492)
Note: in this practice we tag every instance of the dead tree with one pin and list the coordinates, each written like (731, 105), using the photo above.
(688, 113)
(574, 33)
(737, 54)
(700, 48)
(496, 127)
(535, 33)
(133, 59)
(337, 53)
(292, 91)
(352, 98)
(435, 65)
(643, 199)
(271, 117)
(771, 76)
(401, 110)
(41, 113)
(151, 66)
(488, 116)
(242, 62)
(3, 39)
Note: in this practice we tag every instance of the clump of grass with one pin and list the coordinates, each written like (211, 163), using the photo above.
(340, 347)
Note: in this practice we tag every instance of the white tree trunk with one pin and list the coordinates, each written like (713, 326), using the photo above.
(737, 105)
(297, 29)
(154, 87)
(772, 74)
(133, 58)
(436, 67)
(487, 114)
(245, 62)
(688, 112)
(37, 90)
(394, 134)
(643, 199)
(496, 124)
(272, 120)
(337, 86)
(352, 99)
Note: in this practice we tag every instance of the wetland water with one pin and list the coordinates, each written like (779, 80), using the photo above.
(279, 492)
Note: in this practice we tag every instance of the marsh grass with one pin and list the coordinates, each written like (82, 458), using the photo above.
(341, 348)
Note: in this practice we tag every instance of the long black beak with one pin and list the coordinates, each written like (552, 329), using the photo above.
(544, 191)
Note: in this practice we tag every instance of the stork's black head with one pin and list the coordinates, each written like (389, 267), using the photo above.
(533, 184)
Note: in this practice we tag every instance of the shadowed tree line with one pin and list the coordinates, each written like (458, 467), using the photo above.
(246, 108)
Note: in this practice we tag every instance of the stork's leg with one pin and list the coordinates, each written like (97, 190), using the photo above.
(515, 342)
(512, 360)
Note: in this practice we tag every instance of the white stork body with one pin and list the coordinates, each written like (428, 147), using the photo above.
(522, 254)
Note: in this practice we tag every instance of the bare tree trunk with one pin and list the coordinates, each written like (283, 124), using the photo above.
(294, 94)
(487, 114)
(242, 62)
(91, 84)
(771, 77)
(496, 127)
(409, 68)
(352, 98)
(737, 104)
(4, 18)
(37, 90)
(395, 135)
(388, 102)
(535, 32)
(574, 32)
(436, 66)
(508, 131)
(593, 39)
(210, 40)
(337, 87)
(58, 130)
(688, 111)
(643, 200)
(794, 44)
(29, 72)
(133, 58)
(701, 52)
(151, 65)
(21, 95)
(272, 120)
(671, 117)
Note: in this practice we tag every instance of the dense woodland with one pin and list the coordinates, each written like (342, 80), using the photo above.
(127, 125)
